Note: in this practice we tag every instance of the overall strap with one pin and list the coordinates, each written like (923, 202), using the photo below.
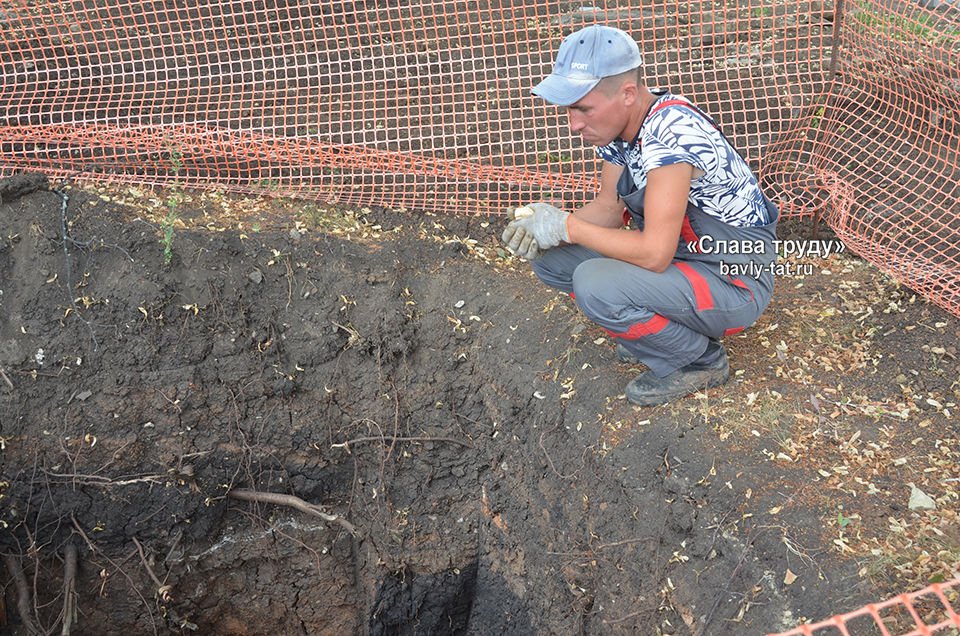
(680, 102)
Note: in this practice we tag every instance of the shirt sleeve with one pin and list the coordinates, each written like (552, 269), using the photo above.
(612, 154)
(673, 136)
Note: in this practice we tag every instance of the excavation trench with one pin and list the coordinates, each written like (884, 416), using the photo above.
(460, 416)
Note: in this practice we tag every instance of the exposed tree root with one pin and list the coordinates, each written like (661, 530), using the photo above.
(23, 592)
(69, 588)
(163, 591)
(279, 499)
(393, 438)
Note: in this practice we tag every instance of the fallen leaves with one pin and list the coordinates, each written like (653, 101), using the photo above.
(829, 420)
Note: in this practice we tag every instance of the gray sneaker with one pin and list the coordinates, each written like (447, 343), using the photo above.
(649, 390)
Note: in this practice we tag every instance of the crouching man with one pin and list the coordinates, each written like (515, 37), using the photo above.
(697, 268)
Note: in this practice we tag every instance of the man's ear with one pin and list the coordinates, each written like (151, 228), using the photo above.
(630, 93)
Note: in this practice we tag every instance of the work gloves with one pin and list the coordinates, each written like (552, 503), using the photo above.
(535, 228)
(519, 240)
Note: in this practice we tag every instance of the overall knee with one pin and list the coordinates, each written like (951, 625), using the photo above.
(764, 291)
(594, 289)
(543, 271)
(552, 269)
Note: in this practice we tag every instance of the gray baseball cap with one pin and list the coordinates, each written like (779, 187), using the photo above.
(586, 57)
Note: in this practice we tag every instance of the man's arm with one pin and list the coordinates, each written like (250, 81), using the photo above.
(665, 203)
(606, 209)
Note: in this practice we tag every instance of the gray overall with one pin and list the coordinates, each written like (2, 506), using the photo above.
(719, 282)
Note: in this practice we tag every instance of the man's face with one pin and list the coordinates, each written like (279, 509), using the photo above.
(598, 118)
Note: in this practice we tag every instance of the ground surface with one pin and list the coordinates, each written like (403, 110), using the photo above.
(291, 349)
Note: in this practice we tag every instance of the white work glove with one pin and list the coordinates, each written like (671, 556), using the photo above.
(518, 239)
(547, 223)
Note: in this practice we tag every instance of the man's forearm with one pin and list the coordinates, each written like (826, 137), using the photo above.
(601, 212)
(636, 248)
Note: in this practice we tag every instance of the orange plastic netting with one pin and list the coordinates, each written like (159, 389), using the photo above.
(927, 612)
(847, 111)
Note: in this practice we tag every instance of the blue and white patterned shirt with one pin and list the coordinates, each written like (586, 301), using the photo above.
(723, 186)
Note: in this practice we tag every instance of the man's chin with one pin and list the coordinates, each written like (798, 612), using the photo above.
(596, 141)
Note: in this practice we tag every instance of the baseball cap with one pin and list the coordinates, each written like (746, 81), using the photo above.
(586, 57)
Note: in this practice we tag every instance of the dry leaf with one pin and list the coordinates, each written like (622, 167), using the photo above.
(789, 577)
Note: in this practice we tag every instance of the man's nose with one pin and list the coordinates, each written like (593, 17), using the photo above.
(576, 120)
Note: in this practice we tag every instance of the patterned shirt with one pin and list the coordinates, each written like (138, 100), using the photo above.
(723, 186)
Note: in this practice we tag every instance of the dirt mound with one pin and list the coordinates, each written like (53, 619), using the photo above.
(462, 418)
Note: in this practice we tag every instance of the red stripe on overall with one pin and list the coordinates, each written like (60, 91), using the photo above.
(701, 289)
(641, 329)
(739, 283)
(689, 236)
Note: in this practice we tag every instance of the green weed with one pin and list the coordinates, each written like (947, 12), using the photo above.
(311, 215)
(176, 160)
(817, 116)
(550, 157)
(169, 219)
(174, 199)
(918, 24)
(268, 184)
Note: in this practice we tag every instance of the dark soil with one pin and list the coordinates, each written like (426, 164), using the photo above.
(466, 420)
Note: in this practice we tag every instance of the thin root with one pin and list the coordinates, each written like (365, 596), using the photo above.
(279, 499)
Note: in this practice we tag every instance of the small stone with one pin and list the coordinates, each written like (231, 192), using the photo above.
(675, 484)
(920, 500)
(682, 517)
(284, 387)
(256, 276)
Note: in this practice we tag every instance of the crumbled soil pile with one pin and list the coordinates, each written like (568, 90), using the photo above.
(467, 423)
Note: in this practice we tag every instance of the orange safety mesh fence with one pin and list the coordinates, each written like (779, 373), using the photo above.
(426, 106)
(846, 111)
(927, 612)
(879, 151)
